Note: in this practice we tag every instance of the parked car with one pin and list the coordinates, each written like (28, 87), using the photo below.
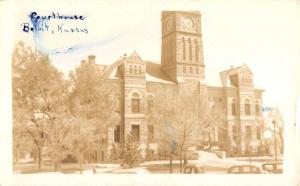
(193, 169)
(245, 169)
(275, 168)
(131, 171)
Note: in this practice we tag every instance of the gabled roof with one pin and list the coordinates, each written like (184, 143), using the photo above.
(154, 73)
(234, 71)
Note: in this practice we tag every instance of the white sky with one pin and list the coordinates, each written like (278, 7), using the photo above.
(262, 34)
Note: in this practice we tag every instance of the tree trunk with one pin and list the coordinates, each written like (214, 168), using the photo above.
(40, 157)
(80, 162)
(171, 165)
(180, 161)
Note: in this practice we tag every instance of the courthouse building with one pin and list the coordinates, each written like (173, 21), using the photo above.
(182, 61)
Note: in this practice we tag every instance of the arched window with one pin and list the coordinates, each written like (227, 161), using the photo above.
(196, 50)
(135, 70)
(130, 69)
(247, 107)
(233, 107)
(190, 50)
(183, 48)
(135, 103)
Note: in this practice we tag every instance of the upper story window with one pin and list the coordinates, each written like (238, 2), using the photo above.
(130, 69)
(140, 70)
(191, 70)
(233, 107)
(247, 107)
(135, 103)
(184, 69)
(196, 50)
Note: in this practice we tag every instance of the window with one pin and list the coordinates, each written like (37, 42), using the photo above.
(135, 129)
(247, 107)
(190, 49)
(197, 70)
(248, 133)
(184, 69)
(130, 69)
(140, 70)
(150, 133)
(117, 134)
(135, 103)
(258, 133)
(233, 108)
(196, 50)
(183, 48)
(257, 110)
(191, 70)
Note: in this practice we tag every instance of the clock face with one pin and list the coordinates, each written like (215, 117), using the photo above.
(188, 24)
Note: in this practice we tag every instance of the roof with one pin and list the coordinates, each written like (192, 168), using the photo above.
(154, 73)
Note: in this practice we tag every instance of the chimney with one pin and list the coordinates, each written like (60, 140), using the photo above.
(92, 59)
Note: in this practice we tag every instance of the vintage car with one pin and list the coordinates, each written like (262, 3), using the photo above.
(245, 169)
(193, 169)
(275, 168)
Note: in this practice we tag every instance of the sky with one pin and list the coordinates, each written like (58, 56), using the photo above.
(262, 34)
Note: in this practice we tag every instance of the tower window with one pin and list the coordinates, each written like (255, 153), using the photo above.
(183, 48)
(196, 50)
(190, 49)
(135, 103)
(247, 107)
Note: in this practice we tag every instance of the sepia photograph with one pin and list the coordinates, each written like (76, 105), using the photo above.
(153, 88)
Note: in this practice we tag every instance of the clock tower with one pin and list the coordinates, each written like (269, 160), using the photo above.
(181, 51)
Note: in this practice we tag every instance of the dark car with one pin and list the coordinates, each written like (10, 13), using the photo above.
(193, 169)
(275, 168)
(245, 169)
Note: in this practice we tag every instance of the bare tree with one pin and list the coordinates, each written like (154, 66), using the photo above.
(182, 117)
